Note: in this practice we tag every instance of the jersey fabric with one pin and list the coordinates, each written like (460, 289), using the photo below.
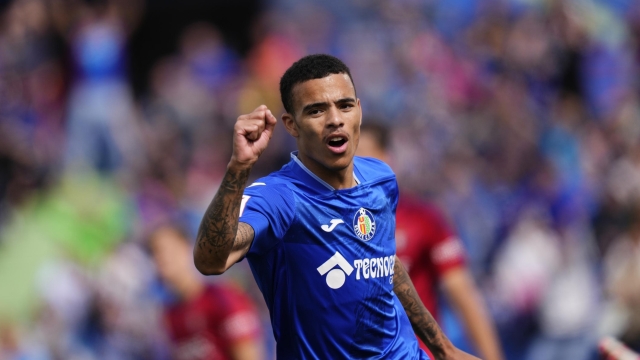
(323, 259)
(427, 247)
(206, 327)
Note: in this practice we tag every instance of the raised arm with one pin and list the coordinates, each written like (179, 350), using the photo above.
(424, 325)
(222, 239)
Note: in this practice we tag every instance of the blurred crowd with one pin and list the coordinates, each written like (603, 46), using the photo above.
(519, 118)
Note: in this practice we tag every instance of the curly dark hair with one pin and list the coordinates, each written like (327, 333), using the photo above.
(309, 67)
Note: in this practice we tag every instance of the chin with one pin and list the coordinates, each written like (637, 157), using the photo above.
(340, 163)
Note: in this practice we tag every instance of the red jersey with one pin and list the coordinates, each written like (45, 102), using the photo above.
(206, 327)
(427, 247)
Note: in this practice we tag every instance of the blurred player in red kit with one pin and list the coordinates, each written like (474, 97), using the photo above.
(207, 321)
(433, 255)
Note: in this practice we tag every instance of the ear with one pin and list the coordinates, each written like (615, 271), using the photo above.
(359, 108)
(290, 124)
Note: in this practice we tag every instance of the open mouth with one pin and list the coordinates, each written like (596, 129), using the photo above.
(337, 142)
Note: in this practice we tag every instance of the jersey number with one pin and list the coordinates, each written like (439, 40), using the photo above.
(245, 198)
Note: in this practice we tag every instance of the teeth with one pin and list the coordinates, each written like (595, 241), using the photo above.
(336, 140)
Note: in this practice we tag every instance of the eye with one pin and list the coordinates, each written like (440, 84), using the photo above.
(346, 106)
(314, 112)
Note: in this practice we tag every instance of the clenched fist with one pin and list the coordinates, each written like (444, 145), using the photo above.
(251, 136)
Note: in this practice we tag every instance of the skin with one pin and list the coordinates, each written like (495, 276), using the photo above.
(326, 107)
(458, 284)
(221, 239)
(172, 256)
(323, 108)
(461, 291)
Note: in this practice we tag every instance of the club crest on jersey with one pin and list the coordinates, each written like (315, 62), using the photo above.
(364, 225)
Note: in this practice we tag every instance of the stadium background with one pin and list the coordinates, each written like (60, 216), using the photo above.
(520, 118)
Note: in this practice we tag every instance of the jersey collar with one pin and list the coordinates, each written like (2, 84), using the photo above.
(324, 184)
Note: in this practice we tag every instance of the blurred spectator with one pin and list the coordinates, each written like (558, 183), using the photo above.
(204, 321)
(520, 119)
(433, 255)
(547, 272)
(101, 118)
(622, 280)
(32, 93)
(129, 319)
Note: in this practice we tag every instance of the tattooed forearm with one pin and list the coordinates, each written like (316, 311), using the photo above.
(421, 320)
(245, 235)
(219, 226)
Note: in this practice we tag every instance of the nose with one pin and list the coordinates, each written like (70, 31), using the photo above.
(334, 118)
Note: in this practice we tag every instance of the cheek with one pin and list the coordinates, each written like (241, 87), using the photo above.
(311, 134)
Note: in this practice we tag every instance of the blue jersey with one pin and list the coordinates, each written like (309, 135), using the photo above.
(323, 259)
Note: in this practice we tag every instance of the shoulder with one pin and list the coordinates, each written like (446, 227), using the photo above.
(372, 168)
(424, 208)
(268, 195)
(270, 186)
(268, 202)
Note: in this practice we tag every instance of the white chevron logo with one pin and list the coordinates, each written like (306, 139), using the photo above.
(336, 277)
(334, 223)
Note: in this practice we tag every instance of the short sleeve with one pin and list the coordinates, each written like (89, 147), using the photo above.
(240, 320)
(269, 209)
(447, 251)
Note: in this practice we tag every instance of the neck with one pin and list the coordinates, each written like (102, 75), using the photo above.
(336, 178)
(345, 180)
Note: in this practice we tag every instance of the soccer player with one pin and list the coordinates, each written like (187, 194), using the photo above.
(319, 233)
(206, 321)
(433, 255)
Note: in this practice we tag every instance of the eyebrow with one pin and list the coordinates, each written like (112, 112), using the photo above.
(321, 104)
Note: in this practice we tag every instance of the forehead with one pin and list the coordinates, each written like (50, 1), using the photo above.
(327, 89)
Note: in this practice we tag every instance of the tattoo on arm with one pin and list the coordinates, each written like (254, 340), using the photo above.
(244, 238)
(422, 322)
(219, 226)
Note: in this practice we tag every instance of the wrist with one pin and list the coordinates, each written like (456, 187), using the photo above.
(444, 351)
(236, 166)
(236, 176)
(450, 351)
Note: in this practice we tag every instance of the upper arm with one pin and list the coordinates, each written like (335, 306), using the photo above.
(396, 264)
(242, 243)
(400, 276)
(266, 216)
